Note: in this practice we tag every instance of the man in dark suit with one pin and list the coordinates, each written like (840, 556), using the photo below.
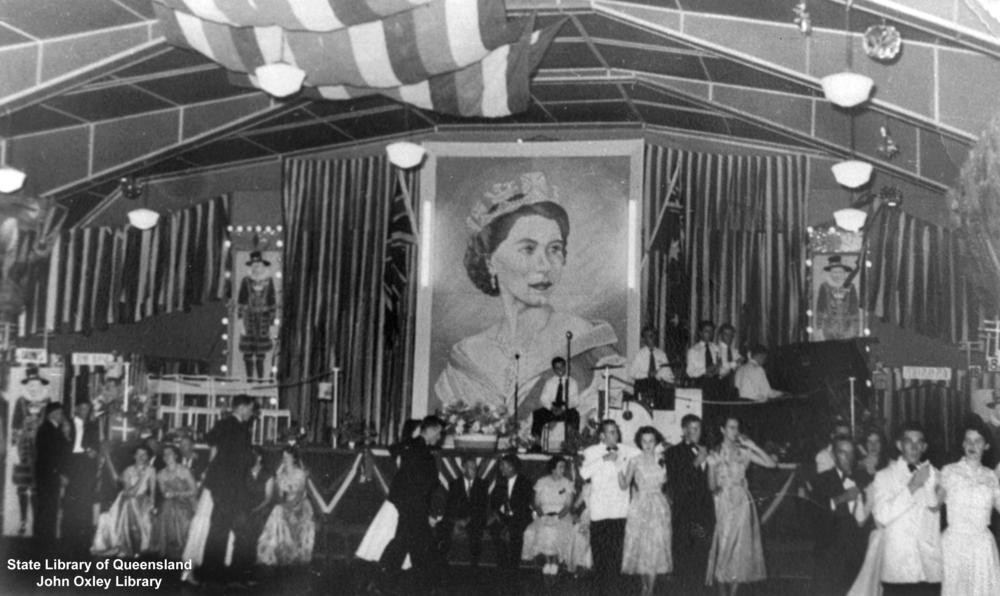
(232, 457)
(466, 507)
(693, 507)
(840, 542)
(78, 515)
(510, 510)
(190, 459)
(412, 489)
(52, 452)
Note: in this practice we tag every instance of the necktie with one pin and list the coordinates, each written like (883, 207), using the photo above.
(708, 355)
(559, 393)
(652, 365)
(730, 350)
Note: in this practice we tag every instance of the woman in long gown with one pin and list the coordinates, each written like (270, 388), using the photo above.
(970, 490)
(736, 556)
(647, 550)
(550, 534)
(869, 581)
(517, 252)
(126, 528)
(179, 490)
(290, 531)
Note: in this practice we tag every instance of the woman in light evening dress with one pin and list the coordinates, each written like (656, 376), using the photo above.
(126, 528)
(647, 550)
(736, 556)
(178, 488)
(550, 534)
(971, 491)
(290, 530)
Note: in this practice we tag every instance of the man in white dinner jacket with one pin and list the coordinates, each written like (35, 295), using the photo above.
(608, 504)
(907, 505)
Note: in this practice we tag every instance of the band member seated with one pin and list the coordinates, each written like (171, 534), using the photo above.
(558, 393)
(651, 374)
(751, 379)
(704, 365)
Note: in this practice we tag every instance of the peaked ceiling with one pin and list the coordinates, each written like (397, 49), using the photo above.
(89, 90)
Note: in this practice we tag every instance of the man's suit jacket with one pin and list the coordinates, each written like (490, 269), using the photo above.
(838, 529)
(199, 463)
(687, 486)
(912, 551)
(414, 483)
(52, 451)
(472, 506)
(519, 501)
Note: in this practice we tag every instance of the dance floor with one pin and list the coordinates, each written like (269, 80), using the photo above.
(338, 576)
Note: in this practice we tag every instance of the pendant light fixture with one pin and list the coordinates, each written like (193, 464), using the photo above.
(848, 88)
(851, 173)
(11, 178)
(280, 79)
(141, 218)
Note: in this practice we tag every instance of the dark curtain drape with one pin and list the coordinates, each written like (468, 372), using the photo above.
(342, 235)
(916, 279)
(726, 234)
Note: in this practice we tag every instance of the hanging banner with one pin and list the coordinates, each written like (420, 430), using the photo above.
(29, 389)
(927, 373)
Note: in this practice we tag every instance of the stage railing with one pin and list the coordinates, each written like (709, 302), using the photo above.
(198, 402)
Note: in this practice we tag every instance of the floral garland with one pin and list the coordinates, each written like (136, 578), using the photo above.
(463, 418)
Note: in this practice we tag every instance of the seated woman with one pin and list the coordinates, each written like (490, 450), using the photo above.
(551, 532)
(126, 528)
(517, 253)
(290, 530)
(178, 487)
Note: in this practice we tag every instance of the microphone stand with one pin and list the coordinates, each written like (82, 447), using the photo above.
(517, 383)
(569, 341)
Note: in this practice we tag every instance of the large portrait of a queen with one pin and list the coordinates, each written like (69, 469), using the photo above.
(529, 261)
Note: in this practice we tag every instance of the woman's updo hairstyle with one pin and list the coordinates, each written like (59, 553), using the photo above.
(483, 244)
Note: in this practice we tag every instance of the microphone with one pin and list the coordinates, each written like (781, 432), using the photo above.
(517, 356)
(569, 335)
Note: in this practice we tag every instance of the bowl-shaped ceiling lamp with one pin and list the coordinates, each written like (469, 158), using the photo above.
(142, 218)
(11, 179)
(850, 219)
(847, 89)
(404, 154)
(852, 173)
(280, 79)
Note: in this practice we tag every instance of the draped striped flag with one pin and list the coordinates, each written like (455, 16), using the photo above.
(402, 49)
(301, 15)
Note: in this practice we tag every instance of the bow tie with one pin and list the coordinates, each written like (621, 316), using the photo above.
(912, 468)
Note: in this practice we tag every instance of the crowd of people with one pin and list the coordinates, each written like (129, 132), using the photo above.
(225, 512)
(639, 508)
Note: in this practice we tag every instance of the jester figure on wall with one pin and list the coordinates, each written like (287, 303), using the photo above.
(837, 304)
(29, 412)
(257, 301)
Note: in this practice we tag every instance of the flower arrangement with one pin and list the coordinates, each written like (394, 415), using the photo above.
(463, 418)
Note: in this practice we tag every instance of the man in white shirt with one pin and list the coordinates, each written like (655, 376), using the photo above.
(650, 373)
(729, 355)
(603, 464)
(703, 361)
(751, 379)
(907, 505)
(559, 393)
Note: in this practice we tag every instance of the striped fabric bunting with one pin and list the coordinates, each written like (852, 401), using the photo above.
(496, 87)
(402, 49)
(96, 277)
(296, 15)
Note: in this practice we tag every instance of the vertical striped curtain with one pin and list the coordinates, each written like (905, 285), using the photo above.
(99, 276)
(744, 240)
(338, 219)
(916, 279)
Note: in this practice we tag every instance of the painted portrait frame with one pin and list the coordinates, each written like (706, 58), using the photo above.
(452, 180)
(823, 325)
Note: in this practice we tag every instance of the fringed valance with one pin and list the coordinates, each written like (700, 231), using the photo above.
(99, 276)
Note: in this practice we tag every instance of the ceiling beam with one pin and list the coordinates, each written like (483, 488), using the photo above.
(34, 71)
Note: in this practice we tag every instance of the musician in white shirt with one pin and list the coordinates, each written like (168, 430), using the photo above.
(642, 364)
(558, 396)
(608, 504)
(703, 361)
(751, 379)
(729, 355)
